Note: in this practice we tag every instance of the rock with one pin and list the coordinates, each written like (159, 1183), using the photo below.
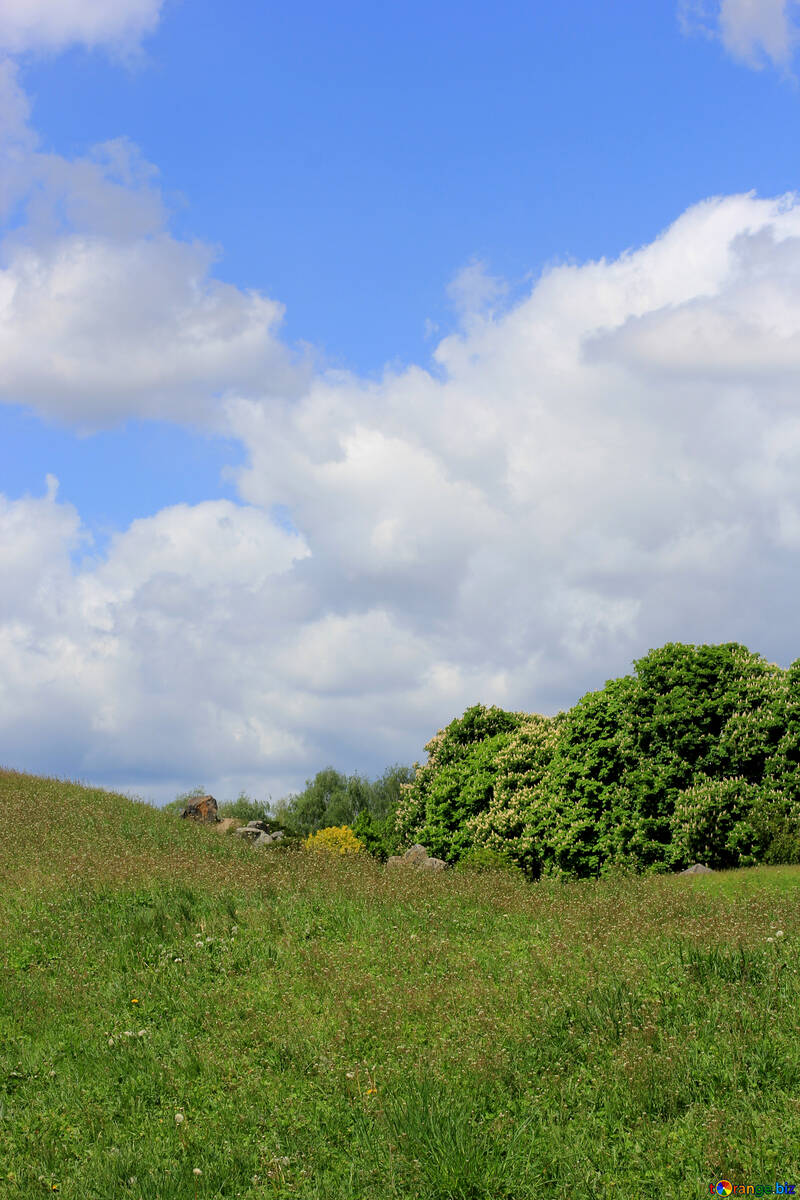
(263, 826)
(202, 808)
(697, 869)
(417, 856)
(247, 833)
(256, 835)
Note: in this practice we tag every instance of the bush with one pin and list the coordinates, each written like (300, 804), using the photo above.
(712, 824)
(457, 782)
(482, 858)
(246, 809)
(337, 839)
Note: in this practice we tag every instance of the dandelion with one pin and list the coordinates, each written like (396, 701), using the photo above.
(197, 1171)
(179, 1118)
(770, 939)
(134, 1001)
(778, 933)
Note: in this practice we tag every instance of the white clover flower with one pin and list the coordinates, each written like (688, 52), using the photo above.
(770, 939)
(178, 1118)
(177, 960)
(197, 1171)
(199, 945)
(778, 933)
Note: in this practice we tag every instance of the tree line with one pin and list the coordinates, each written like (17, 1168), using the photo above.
(694, 757)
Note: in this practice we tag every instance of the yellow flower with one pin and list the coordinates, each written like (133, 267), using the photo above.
(134, 1001)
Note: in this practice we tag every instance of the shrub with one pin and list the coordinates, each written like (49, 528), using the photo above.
(456, 783)
(712, 823)
(337, 839)
(482, 858)
(246, 809)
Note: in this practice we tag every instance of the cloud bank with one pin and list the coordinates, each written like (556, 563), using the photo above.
(608, 464)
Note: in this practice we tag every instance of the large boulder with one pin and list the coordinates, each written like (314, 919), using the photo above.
(203, 809)
(697, 869)
(417, 856)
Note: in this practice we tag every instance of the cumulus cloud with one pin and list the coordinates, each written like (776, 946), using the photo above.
(53, 25)
(752, 31)
(104, 314)
(611, 463)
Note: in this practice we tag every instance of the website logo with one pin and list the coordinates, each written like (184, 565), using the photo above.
(723, 1187)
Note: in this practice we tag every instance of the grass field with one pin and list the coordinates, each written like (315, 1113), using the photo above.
(185, 1016)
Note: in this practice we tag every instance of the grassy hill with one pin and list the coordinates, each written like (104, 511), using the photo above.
(292, 1025)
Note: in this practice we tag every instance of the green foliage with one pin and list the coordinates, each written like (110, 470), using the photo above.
(246, 809)
(695, 756)
(334, 799)
(712, 824)
(482, 858)
(457, 782)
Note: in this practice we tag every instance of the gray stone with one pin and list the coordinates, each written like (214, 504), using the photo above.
(248, 834)
(417, 856)
(697, 869)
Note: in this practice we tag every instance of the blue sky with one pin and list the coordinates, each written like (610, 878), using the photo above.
(451, 314)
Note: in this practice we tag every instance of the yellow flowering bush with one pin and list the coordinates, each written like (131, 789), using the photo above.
(336, 839)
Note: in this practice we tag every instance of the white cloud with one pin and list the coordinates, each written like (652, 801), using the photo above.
(612, 463)
(105, 315)
(752, 31)
(53, 25)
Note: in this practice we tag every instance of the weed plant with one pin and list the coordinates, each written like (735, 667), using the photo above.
(185, 1016)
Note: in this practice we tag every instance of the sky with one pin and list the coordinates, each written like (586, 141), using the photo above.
(359, 364)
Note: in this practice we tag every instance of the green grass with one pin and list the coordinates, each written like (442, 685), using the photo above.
(331, 1028)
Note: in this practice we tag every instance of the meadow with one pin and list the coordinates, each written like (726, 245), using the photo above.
(183, 1016)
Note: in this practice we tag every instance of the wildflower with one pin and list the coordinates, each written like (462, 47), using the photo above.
(197, 1171)
(199, 945)
(770, 939)
(179, 1118)
(177, 960)
(111, 1041)
(134, 1001)
(778, 933)
(142, 1032)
